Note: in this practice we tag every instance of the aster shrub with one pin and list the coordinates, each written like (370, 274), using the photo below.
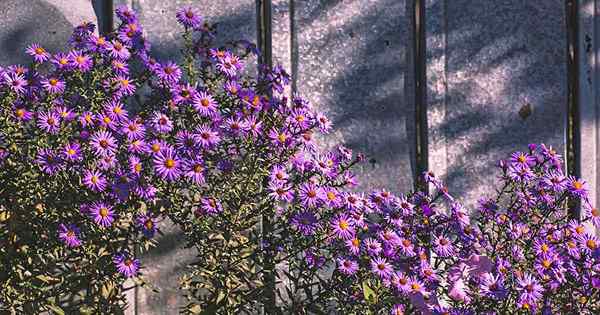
(102, 142)
(525, 250)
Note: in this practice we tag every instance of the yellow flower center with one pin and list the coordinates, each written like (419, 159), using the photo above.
(40, 50)
(103, 212)
(149, 224)
(170, 163)
(343, 224)
(330, 195)
(591, 244)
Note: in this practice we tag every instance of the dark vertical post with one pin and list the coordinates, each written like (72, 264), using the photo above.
(104, 14)
(573, 140)
(420, 67)
(263, 12)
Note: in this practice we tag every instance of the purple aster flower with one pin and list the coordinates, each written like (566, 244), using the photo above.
(61, 61)
(342, 227)
(133, 129)
(389, 237)
(15, 82)
(102, 214)
(492, 286)
(38, 53)
(373, 246)
(232, 87)
(184, 94)
(234, 126)
(381, 267)
(49, 161)
(520, 159)
(188, 18)
(555, 181)
(94, 180)
(207, 137)
(126, 265)
(589, 244)
(209, 206)
(161, 123)
(147, 224)
(324, 123)
(21, 113)
(305, 222)
(169, 72)
(145, 191)
(72, 152)
(86, 119)
(54, 85)
(253, 125)
(593, 214)
(103, 143)
(443, 246)
(117, 50)
(577, 187)
(124, 85)
(130, 32)
(195, 170)
(310, 195)
(167, 164)
(158, 145)
(230, 65)
(80, 61)
(138, 146)
(331, 197)
(353, 245)
(281, 191)
(135, 165)
(186, 141)
(406, 247)
(278, 173)
(529, 288)
(347, 266)
(125, 14)
(97, 43)
(119, 67)
(300, 119)
(65, 113)
(69, 234)
(520, 174)
(281, 138)
(115, 110)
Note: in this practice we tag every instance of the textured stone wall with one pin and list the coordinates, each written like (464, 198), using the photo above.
(497, 80)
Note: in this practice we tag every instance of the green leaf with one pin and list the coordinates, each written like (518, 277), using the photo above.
(56, 309)
(369, 294)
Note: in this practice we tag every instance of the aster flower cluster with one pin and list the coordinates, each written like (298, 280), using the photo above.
(526, 250)
(107, 142)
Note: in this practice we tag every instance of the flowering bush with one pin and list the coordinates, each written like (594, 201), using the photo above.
(522, 251)
(102, 143)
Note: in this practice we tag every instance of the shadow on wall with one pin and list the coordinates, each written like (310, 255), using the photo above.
(500, 56)
(22, 25)
(353, 60)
